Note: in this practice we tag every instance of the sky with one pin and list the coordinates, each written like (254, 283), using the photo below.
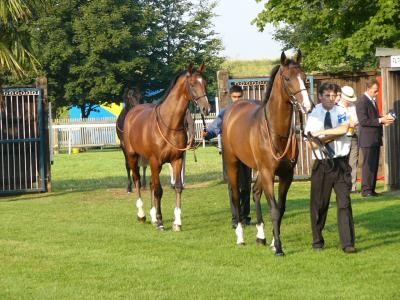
(241, 39)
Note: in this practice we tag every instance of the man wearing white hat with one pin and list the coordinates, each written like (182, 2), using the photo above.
(347, 101)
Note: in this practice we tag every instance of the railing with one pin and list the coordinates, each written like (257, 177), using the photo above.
(84, 133)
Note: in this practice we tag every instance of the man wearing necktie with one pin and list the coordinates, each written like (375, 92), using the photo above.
(329, 123)
(370, 136)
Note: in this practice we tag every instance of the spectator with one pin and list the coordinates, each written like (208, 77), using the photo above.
(370, 136)
(347, 101)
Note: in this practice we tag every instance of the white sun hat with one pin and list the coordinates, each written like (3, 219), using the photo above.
(348, 94)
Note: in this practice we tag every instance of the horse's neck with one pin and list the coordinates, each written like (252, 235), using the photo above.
(174, 107)
(279, 112)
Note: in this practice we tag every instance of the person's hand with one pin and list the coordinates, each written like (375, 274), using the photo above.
(353, 124)
(387, 120)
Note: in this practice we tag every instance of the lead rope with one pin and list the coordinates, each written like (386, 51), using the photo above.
(289, 141)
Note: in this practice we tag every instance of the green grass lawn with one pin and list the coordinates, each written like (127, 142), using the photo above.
(82, 241)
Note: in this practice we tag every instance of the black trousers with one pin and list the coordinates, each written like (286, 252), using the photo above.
(325, 177)
(244, 192)
(370, 169)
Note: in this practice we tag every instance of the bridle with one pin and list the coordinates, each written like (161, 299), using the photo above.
(292, 131)
(192, 97)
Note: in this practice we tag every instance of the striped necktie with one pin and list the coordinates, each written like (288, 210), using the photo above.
(328, 125)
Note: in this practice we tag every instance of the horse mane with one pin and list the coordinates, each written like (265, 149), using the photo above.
(272, 79)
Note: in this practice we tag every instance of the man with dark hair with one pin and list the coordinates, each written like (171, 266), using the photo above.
(370, 136)
(235, 92)
(328, 122)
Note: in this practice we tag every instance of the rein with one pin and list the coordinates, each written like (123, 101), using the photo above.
(158, 116)
(292, 132)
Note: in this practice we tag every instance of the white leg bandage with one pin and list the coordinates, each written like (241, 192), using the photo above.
(177, 213)
(272, 244)
(139, 205)
(260, 231)
(153, 215)
(239, 234)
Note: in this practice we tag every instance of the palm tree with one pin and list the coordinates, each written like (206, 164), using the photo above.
(15, 53)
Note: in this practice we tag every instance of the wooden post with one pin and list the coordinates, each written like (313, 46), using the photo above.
(41, 83)
(223, 88)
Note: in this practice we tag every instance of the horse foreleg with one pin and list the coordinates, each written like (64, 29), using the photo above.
(257, 192)
(233, 185)
(153, 212)
(268, 186)
(177, 168)
(157, 190)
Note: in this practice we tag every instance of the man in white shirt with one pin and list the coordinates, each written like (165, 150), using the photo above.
(347, 101)
(329, 123)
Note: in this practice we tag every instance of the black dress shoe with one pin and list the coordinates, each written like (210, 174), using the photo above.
(375, 194)
(350, 250)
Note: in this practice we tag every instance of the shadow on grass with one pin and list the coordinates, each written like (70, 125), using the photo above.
(121, 182)
(384, 222)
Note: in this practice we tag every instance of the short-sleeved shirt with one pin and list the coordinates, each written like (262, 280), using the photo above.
(315, 122)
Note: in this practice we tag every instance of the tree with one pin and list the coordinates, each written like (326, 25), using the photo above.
(337, 35)
(15, 52)
(90, 50)
(181, 32)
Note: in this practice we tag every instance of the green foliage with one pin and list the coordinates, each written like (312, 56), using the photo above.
(334, 35)
(249, 68)
(82, 241)
(16, 56)
(91, 50)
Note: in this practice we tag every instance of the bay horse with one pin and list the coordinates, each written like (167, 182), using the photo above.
(262, 136)
(157, 133)
(131, 97)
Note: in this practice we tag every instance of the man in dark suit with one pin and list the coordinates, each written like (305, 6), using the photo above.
(370, 136)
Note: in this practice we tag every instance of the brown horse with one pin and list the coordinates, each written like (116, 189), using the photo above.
(131, 97)
(262, 136)
(157, 133)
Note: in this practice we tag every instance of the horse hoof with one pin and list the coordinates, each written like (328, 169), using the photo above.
(176, 227)
(261, 242)
(141, 220)
(160, 227)
(241, 244)
(279, 254)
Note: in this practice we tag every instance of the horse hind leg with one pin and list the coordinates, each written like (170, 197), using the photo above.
(133, 164)
(128, 172)
(257, 193)
(233, 185)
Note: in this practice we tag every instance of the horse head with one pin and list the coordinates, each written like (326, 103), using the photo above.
(132, 96)
(197, 89)
(293, 81)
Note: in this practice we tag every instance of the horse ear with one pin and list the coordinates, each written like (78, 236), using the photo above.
(202, 68)
(283, 58)
(190, 69)
(299, 57)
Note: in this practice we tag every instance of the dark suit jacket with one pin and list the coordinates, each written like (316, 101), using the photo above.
(370, 131)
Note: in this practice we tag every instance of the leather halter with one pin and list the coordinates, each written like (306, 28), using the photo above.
(158, 116)
(292, 132)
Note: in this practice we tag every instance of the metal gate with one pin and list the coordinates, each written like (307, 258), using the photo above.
(22, 141)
